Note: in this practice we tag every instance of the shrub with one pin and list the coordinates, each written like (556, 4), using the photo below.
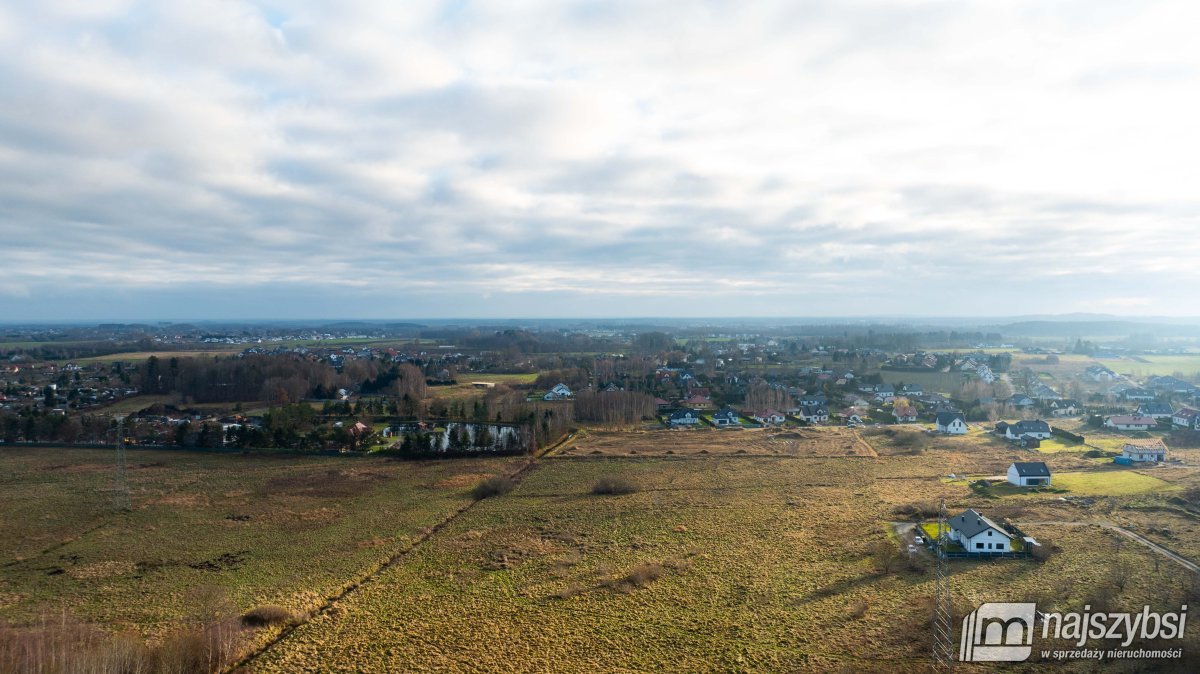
(921, 510)
(263, 616)
(857, 609)
(640, 576)
(911, 440)
(613, 484)
(493, 486)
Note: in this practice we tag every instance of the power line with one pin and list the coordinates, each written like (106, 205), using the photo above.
(943, 642)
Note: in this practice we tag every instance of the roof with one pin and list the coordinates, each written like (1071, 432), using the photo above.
(1129, 420)
(1155, 408)
(682, 414)
(1146, 445)
(1186, 413)
(1031, 468)
(973, 522)
(1029, 426)
(947, 418)
(905, 411)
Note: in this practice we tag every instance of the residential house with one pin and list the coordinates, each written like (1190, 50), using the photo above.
(978, 534)
(905, 414)
(852, 416)
(726, 417)
(1155, 410)
(1138, 394)
(814, 415)
(951, 423)
(985, 373)
(885, 393)
(1035, 428)
(1020, 400)
(1099, 373)
(1125, 422)
(772, 417)
(1062, 408)
(1169, 384)
(1186, 417)
(559, 392)
(912, 391)
(1029, 474)
(684, 418)
(1145, 450)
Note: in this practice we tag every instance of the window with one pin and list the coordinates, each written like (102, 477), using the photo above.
(979, 546)
(989, 532)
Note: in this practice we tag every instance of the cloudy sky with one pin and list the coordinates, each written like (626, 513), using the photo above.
(225, 159)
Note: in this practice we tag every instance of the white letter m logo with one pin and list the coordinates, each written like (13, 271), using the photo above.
(997, 632)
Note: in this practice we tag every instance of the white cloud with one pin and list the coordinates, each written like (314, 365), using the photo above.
(780, 155)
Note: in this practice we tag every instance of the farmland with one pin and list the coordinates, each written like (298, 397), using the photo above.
(1145, 366)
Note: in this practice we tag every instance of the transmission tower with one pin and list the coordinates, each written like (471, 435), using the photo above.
(120, 479)
(943, 633)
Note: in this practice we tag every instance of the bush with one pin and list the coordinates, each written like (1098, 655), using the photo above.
(921, 510)
(613, 484)
(911, 440)
(493, 486)
(267, 615)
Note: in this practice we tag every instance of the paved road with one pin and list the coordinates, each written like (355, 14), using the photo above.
(1178, 559)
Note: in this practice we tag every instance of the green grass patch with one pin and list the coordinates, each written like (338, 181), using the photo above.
(1110, 483)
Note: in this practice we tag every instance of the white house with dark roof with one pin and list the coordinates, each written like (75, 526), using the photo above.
(726, 417)
(1186, 417)
(684, 418)
(559, 392)
(978, 534)
(1155, 410)
(951, 423)
(1035, 428)
(1029, 474)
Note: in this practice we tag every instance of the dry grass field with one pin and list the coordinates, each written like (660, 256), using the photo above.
(711, 564)
(281, 530)
(762, 561)
(707, 441)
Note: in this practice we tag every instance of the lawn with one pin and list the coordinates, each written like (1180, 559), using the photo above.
(1110, 483)
(938, 382)
(1054, 445)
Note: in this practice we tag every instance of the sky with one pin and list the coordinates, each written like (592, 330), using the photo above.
(364, 159)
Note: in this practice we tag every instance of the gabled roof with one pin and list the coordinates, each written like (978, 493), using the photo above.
(1146, 445)
(973, 522)
(1031, 468)
(1029, 426)
(1128, 420)
(1155, 408)
(947, 418)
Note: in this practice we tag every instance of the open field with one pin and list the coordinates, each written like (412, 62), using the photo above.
(463, 389)
(939, 382)
(714, 564)
(1110, 483)
(710, 562)
(1146, 366)
(711, 441)
(279, 530)
(139, 356)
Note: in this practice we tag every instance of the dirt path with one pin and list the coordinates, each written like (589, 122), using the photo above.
(1175, 557)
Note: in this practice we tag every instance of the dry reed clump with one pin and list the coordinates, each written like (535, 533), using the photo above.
(614, 485)
(264, 616)
(493, 486)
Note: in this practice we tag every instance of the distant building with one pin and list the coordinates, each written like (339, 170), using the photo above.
(559, 392)
(1035, 428)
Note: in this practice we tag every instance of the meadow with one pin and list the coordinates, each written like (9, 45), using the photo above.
(781, 558)
(279, 530)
